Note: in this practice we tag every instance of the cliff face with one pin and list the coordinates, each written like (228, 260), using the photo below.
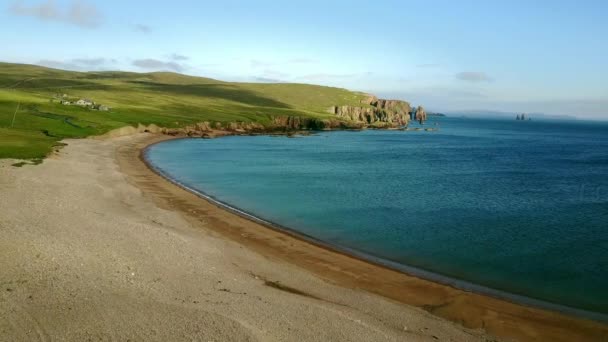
(278, 124)
(381, 113)
(377, 113)
(297, 123)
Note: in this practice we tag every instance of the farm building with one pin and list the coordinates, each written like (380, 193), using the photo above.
(85, 102)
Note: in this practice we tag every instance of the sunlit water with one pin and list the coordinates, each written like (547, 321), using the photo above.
(516, 206)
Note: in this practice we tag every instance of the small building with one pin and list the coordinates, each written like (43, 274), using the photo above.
(85, 102)
(103, 108)
(65, 102)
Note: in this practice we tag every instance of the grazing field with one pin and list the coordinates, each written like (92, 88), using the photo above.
(32, 119)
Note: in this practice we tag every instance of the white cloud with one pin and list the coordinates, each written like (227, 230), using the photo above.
(255, 63)
(302, 61)
(274, 74)
(93, 61)
(327, 76)
(427, 65)
(473, 76)
(79, 64)
(267, 80)
(142, 28)
(155, 64)
(178, 57)
(79, 13)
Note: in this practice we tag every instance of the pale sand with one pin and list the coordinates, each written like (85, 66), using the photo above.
(85, 254)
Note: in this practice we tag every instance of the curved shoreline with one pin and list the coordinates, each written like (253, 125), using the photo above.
(407, 269)
(483, 308)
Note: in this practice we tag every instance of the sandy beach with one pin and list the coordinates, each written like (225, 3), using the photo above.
(96, 246)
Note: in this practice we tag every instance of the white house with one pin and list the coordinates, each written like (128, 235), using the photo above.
(84, 102)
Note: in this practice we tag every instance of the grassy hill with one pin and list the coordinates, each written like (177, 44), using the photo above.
(31, 122)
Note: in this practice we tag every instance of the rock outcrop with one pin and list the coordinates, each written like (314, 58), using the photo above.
(420, 115)
(373, 113)
(202, 128)
(379, 113)
(297, 123)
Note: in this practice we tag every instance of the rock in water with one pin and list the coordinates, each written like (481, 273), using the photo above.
(420, 115)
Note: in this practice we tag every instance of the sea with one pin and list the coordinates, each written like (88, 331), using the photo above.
(513, 209)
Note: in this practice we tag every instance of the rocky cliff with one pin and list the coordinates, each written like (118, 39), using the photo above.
(303, 123)
(378, 113)
(373, 113)
(278, 124)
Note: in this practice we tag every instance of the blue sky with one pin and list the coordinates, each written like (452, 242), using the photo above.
(533, 56)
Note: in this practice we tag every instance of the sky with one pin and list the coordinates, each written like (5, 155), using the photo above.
(528, 56)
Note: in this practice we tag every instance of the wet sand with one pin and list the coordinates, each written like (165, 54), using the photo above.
(94, 245)
(86, 254)
(499, 317)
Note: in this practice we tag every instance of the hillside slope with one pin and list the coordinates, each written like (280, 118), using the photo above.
(32, 119)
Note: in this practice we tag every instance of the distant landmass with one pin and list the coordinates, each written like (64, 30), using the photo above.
(509, 115)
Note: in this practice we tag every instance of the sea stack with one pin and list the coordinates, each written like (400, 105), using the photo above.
(420, 115)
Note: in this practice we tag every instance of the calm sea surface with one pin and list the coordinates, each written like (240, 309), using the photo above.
(516, 206)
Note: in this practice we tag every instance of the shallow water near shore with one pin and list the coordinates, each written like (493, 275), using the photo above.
(516, 206)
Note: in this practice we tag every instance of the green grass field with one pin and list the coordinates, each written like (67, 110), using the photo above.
(31, 124)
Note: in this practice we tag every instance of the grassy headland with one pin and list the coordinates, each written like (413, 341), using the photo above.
(32, 119)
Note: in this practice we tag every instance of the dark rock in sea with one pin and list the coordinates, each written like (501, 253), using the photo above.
(420, 115)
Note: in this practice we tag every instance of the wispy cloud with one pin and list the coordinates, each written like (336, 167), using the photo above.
(271, 76)
(256, 63)
(178, 57)
(302, 61)
(79, 12)
(79, 64)
(459, 93)
(155, 64)
(58, 64)
(328, 76)
(427, 65)
(441, 91)
(93, 61)
(473, 76)
(274, 73)
(142, 28)
(267, 80)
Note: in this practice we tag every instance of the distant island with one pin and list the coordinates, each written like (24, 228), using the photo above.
(475, 113)
(522, 117)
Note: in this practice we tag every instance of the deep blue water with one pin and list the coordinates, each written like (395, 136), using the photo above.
(516, 206)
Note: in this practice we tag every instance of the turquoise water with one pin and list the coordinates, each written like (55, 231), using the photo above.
(520, 207)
